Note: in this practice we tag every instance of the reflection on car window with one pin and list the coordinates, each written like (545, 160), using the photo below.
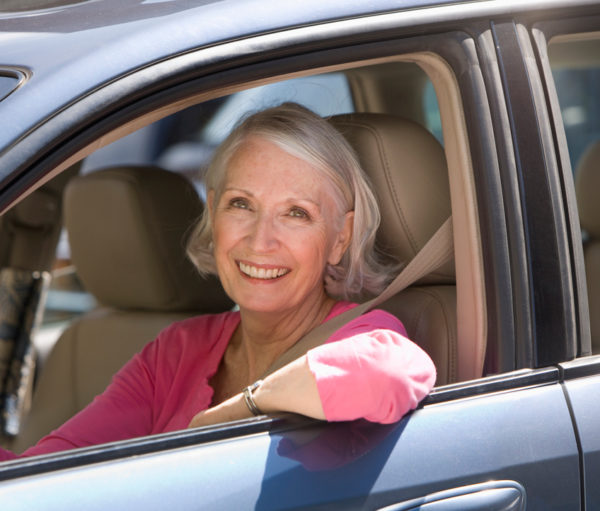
(184, 141)
(577, 80)
(576, 70)
(324, 94)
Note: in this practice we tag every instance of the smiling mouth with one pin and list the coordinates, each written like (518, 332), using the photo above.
(262, 273)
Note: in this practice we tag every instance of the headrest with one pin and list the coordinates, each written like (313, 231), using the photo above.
(407, 169)
(127, 230)
(587, 184)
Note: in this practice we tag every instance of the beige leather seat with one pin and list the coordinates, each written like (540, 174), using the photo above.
(587, 185)
(407, 168)
(126, 228)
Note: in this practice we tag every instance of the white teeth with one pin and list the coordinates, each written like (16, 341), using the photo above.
(262, 273)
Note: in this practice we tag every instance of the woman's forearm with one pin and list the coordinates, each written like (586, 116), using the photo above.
(290, 389)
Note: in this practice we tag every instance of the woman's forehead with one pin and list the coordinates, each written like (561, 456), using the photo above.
(260, 159)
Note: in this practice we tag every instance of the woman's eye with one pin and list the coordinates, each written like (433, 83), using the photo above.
(239, 203)
(298, 213)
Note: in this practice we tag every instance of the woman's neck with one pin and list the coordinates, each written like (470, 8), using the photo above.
(262, 337)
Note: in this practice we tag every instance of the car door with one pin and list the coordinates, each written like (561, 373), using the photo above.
(568, 50)
(504, 441)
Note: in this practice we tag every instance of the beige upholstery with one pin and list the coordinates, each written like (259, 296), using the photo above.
(587, 185)
(127, 231)
(407, 167)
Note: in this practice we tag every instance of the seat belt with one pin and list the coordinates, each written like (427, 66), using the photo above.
(437, 251)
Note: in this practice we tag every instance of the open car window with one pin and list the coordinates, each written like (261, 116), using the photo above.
(184, 143)
(201, 127)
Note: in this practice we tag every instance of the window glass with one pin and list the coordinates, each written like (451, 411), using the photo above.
(576, 70)
(575, 66)
(433, 122)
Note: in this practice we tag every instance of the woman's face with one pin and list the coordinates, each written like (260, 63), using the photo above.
(275, 228)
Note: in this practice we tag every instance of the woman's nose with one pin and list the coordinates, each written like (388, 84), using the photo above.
(263, 236)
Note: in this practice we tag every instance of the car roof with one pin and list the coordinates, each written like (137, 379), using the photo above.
(64, 52)
(147, 31)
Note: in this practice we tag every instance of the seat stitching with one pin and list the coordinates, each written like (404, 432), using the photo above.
(390, 182)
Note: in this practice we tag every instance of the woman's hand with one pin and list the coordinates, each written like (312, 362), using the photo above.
(232, 409)
(290, 389)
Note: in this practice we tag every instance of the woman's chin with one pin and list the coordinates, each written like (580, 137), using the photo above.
(263, 306)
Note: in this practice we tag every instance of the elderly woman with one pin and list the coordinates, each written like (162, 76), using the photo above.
(289, 229)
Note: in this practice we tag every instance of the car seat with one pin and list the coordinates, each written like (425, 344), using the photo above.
(407, 168)
(127, 230)
(587, 184)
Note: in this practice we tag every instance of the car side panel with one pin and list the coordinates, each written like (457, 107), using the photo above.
(584, 394)
(521, 436)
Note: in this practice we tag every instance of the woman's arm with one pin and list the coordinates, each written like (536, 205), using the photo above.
(292, 388)
(378, 376)
(373, 373)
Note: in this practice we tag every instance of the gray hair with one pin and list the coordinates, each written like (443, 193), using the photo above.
(305, 135)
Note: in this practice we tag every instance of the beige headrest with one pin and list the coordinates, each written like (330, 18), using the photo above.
(127, 229)
(587, 185)
(407, 168)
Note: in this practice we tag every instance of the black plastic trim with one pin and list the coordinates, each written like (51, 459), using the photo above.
(580, 368)
(553, 347)
(500, 383)
(511, 347)
(552, 338)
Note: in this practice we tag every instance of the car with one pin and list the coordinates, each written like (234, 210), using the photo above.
(491, 108)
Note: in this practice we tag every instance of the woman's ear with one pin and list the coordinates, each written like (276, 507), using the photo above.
(343, 239)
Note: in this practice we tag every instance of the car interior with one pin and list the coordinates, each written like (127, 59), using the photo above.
(127, 223)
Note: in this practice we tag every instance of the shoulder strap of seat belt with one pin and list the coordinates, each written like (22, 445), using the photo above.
(437, 251)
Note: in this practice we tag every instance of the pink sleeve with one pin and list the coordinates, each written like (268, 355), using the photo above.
(123, 410)
(369, 369)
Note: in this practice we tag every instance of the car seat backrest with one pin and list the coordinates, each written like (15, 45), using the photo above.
(587, 184)
(127, 228)
(407, 168)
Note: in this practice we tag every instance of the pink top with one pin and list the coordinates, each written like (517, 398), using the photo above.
(367, 369)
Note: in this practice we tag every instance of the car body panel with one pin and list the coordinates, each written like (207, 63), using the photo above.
(582, 388)
(343, 466)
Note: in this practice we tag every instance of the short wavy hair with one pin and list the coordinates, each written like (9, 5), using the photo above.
(305, 135)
